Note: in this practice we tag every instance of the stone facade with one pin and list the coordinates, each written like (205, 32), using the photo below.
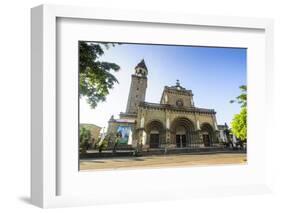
(174, 122)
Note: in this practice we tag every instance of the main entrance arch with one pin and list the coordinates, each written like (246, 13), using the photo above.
(155, 132)
(181, 132)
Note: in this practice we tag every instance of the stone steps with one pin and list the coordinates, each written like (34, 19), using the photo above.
(131, 153)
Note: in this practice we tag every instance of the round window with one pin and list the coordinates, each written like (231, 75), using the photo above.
(179, 103)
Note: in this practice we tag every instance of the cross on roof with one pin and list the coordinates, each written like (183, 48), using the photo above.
(178, 83)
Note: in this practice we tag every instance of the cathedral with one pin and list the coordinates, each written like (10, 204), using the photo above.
(174, 122)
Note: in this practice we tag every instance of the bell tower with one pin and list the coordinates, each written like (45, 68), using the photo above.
(138, 88)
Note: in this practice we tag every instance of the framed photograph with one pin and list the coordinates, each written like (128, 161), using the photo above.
(131, 106)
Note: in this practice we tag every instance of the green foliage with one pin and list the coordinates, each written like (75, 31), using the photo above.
(242, 98)
(84, 139)
(103, 145)
(239, 124)
(95, 76)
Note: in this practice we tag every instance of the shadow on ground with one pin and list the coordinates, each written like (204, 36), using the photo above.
(25, 199)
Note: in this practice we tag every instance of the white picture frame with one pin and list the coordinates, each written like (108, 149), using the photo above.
(45, 169)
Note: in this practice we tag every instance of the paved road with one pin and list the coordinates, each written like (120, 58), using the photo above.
(163, 161)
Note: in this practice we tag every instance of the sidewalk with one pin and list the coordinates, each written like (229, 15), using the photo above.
(164, 161)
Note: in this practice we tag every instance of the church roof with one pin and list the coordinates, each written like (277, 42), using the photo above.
(178, 88)
(141, 65)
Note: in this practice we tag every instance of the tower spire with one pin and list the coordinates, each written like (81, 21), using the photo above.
(141, 69)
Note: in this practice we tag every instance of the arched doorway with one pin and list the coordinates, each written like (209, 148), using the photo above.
(155, 133)
(181, 137)
(207, 134)
(182, 131)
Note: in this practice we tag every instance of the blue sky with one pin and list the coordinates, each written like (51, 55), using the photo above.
(213, 74)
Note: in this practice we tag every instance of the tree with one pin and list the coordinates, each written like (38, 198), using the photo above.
(242, 98)
(95, 77)
(84, 139)
(239, 122)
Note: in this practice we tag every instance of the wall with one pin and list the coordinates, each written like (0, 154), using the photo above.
(174, 96)
(162, 115)
(15, 103)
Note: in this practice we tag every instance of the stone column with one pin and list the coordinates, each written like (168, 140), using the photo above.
(200, 139)
(143, 137)
(198, 124)
(215, 123)
(142, 122)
